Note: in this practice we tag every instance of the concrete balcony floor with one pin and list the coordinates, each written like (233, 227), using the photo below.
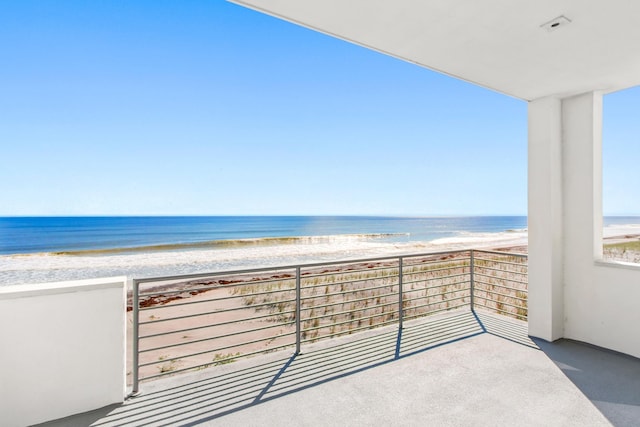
(455, 369)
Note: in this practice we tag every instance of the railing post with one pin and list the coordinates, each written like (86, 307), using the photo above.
(400, 297)
(298, 303)
(136, 337)
(472, 280)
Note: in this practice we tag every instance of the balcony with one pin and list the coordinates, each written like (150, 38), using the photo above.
(430, 338)
(456, 368)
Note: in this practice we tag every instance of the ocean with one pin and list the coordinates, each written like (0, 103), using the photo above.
(45, 249)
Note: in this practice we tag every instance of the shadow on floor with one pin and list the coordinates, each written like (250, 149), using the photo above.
(610, 380)
(213, 393)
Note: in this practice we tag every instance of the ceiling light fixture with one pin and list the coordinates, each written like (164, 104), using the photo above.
(556, 23)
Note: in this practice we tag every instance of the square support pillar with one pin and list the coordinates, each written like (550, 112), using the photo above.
(565, 212)
(545, 220)
(582, 187)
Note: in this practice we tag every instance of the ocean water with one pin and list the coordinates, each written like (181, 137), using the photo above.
(45, 249)
(27, 235)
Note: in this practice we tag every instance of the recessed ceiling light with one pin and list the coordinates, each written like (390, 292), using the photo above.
(556, 23)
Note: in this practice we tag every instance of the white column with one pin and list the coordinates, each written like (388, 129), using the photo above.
(545, 220)
(582, 150)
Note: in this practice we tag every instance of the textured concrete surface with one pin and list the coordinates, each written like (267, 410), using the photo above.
(452, 370)
(610, 380)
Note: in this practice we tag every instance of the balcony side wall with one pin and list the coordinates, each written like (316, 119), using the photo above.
(63, 349)
(600, 299)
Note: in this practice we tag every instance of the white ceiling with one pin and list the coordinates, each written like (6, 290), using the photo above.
(498, 44)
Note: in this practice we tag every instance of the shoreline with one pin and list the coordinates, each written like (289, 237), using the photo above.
(42, 268)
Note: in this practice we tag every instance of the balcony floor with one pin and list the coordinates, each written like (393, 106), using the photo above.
(448, 370)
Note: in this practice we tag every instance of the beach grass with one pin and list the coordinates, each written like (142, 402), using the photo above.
(625, 246)
(626, 251)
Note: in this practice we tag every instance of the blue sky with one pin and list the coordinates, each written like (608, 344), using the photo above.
(207, 108)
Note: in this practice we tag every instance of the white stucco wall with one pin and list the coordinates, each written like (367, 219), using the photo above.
(600, 304)
(572, 293)
(63, 349)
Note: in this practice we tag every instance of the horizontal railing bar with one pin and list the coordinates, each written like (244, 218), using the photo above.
(371, 307)
(413, 270)
(502, 286)
(346, 282)
(293, 290)
(226, 310)
(435, 278)
(346, 272)
(500, 270)
(181, 291)
(437, 295)
(207, 364)
(499, 302)
(350, 301)
(435, 271)
(213, 325)
(220, 349)
(502, 279)
(226, 286)
(223, 273)
(217, 337)
(291, 267)
(513, 254)
(421, 259)
(348, 291)
(460, 287)
(208, 288)
(479, 270)
(172, 304)
(503, 295)
(515, 268)
(439, 286)
(412, 278)
(351, 291)
(497, 261)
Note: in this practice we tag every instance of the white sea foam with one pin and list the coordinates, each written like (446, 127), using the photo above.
(37, 268)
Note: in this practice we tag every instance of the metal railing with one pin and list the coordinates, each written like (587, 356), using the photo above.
(191, 322)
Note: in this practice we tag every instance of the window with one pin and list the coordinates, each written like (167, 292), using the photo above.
(621, 175)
